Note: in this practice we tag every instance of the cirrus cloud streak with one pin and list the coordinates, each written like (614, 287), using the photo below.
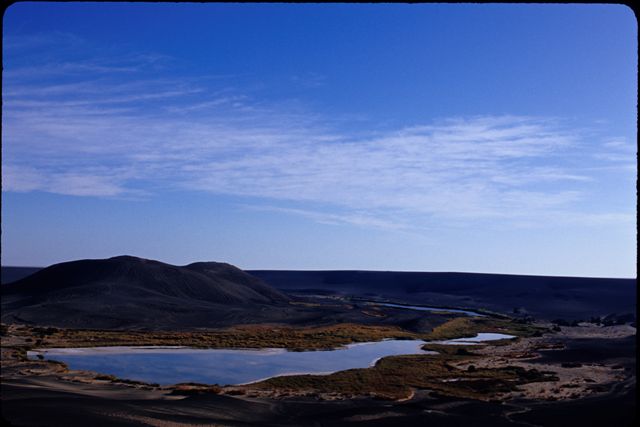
(107, 137)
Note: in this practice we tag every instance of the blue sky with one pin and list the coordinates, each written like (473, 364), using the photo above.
(434, 137)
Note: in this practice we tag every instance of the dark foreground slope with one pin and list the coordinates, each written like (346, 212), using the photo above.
(133, 292)
(547, 297)
(39, 401)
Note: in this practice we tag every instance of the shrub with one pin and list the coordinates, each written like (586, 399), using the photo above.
(571, 365)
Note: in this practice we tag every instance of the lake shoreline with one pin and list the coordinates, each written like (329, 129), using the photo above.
(522, 352)
(171, 365)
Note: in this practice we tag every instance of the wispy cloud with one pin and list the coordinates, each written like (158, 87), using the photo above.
(86, 182)
(619, 151)
(362, 219)
(309, 80)
(59, 40)
(106, 135)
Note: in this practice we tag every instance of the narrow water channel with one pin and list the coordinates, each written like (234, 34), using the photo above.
(426, 308)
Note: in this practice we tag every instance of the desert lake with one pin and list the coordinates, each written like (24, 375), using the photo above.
(171, 365)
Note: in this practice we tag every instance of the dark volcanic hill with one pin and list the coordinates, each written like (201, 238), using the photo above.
(125, 292)
(545, 297)
(11, 274)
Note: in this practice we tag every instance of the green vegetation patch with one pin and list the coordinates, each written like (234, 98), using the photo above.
(394, 378)
(253, 336)
(270, 336)
(190, 389)
(462, 327)
(391, 378)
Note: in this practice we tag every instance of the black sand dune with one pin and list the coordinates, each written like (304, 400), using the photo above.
(128, 291)
(29, 404)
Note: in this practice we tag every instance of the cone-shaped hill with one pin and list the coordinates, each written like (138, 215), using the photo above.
(130, 292)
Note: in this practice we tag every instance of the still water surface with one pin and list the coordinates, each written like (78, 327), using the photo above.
(171, 365)
(425, 308)
(479, 338)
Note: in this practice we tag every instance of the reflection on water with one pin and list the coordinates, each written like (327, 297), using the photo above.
(171, 365)
(424, 308)
(479, 338)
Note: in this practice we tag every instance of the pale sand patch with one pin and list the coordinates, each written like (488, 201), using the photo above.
(589, 330)
(572, 382)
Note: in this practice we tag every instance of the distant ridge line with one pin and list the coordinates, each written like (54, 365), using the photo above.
(13, 273)
(258, 270)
